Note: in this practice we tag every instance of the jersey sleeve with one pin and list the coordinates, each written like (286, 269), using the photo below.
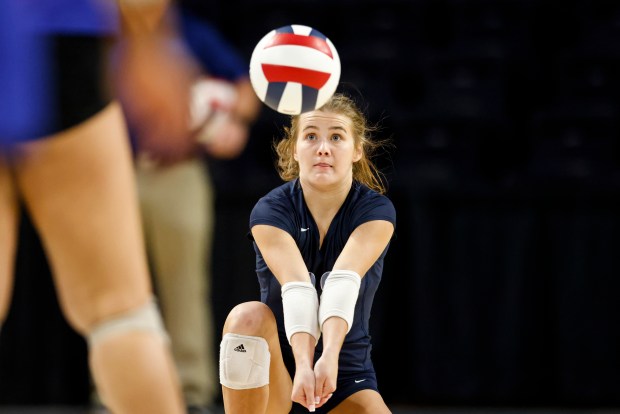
(275, 212)
(376, 207)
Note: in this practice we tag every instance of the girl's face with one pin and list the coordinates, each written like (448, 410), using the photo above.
(326, 149)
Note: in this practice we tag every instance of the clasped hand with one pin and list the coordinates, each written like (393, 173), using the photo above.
(312, 388)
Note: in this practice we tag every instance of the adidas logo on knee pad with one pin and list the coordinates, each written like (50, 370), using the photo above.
(239, 348)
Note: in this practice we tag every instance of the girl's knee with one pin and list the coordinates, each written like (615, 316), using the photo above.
(85, 314)
(145, 319)
(251, 318)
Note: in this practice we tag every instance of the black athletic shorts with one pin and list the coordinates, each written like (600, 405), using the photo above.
(347, 384)
(77, 86)
(80, 83)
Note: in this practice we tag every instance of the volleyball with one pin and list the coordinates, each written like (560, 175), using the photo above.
(294, 69)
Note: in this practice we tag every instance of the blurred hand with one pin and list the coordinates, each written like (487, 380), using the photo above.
(220, 132)
(223, 136)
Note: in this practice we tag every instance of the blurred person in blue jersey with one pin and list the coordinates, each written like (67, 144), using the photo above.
(65, 157)
(177, 200)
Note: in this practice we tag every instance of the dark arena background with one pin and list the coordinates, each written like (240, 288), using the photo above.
(502, 285)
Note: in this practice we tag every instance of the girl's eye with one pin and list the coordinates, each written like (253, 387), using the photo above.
(336, 137)
(311, 137)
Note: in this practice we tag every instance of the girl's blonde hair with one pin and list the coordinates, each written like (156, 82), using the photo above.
(364, 170)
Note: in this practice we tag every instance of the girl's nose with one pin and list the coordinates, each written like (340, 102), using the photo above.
(323, 147)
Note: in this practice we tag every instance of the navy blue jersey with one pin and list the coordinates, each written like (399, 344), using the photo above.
(285, 208)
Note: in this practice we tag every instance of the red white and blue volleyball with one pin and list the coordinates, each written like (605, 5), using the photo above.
(294, 69)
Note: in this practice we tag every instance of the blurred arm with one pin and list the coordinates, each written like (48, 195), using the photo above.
(153, 74)
(247, 106)
(139, 17)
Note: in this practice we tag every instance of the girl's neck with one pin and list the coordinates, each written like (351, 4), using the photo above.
(325, 201)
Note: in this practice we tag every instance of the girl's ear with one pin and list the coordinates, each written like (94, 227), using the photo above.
(357, 155)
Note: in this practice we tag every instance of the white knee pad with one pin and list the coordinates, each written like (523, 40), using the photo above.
(146, 318)
(244, 361)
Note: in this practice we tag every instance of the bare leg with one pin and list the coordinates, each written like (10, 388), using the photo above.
(80, 190)
(8, 236)
(256, 319)
(362, 402)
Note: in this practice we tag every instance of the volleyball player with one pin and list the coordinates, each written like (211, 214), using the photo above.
(320, 242)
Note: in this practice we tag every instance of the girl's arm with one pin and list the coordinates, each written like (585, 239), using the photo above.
(299, 303)
(362, 250)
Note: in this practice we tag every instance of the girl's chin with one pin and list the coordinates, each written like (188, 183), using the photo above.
(320, 180)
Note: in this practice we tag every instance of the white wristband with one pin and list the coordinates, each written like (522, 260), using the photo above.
(300, 304)
(340, 292)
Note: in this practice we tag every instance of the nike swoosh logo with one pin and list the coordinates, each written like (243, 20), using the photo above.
(306, 229)
(358, 381)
